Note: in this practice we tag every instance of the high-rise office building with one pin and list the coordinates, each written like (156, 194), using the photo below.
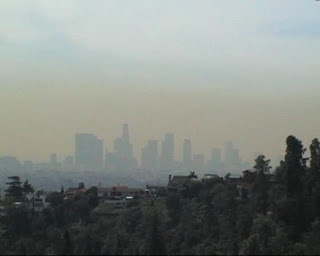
(215, 163)
(122, 157)
(187, 155)
(125, 133)
(68, 164)
(88, 152)
(122, 146)
(198, 162)
(167, 152)
(27, 165)
(9, 163)
(231, 155)
(216, 155)
(53, 164)
(149, 155)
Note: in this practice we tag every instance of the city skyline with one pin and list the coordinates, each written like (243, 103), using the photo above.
(91, 153)
(210, 71)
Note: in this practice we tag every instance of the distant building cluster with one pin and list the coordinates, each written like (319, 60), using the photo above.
(89, 155)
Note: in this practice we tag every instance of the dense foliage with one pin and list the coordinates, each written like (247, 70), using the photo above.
(279, 213)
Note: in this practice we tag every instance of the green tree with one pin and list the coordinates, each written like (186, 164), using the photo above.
(312, 182)
(295, 165)
(155, 241)
(315, 155)
(68, 246)
(81, 185)
(192, 175)
(14, 189)
(260, 189)
(27, 188)
(92, 194)
(294, 174)
(261, 164)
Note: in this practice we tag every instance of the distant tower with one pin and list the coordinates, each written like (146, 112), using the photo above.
(198, 162)
(88, 152)
(125, 133)
(216, 155)
(53, 159)
(187, 154)
(149, 155)
(122, 156)
(167, 151)
(231, 155)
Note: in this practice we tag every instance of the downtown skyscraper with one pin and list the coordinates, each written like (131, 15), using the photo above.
(149, 156)
(187, 155)
(122, 158)
(88, 152)
(167, 152)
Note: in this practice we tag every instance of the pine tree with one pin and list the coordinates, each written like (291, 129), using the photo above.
(260, 195)
(294, 174)
(14, 189)
(295, 166)
(68, 246)
(27, 188)
(313, 179)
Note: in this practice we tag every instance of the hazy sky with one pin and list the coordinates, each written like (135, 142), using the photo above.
(211, 71)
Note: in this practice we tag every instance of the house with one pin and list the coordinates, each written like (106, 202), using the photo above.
(38, 200)
(250, 175)
(118, 192)
(156, 190)
(233, 178)
(177, 182)
(71, 192)
(209, 177)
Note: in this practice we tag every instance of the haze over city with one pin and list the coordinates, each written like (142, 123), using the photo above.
(210, 71)
(159, 127)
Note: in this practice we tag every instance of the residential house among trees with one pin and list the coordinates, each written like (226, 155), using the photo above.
(118, 192)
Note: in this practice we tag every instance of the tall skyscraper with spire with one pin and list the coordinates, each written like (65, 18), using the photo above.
(122, 157)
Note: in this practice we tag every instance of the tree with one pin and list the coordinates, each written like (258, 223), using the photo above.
(192, 175)
(295, 166)
(81, 185)
(260, 189)
(92, 194)
(14, 189)
(27, 188)
(312, 181)
(294, 173)
(262, 165)
(155, 241)
(315, 155)
(68, 246)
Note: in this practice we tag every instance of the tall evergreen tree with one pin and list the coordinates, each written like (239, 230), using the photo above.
(295, 165)
(14, 189)
(68, 246)
(155, 241)
(294, 174)
(27, 188)
(315, 155)
(313, 179)
(260, 195)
